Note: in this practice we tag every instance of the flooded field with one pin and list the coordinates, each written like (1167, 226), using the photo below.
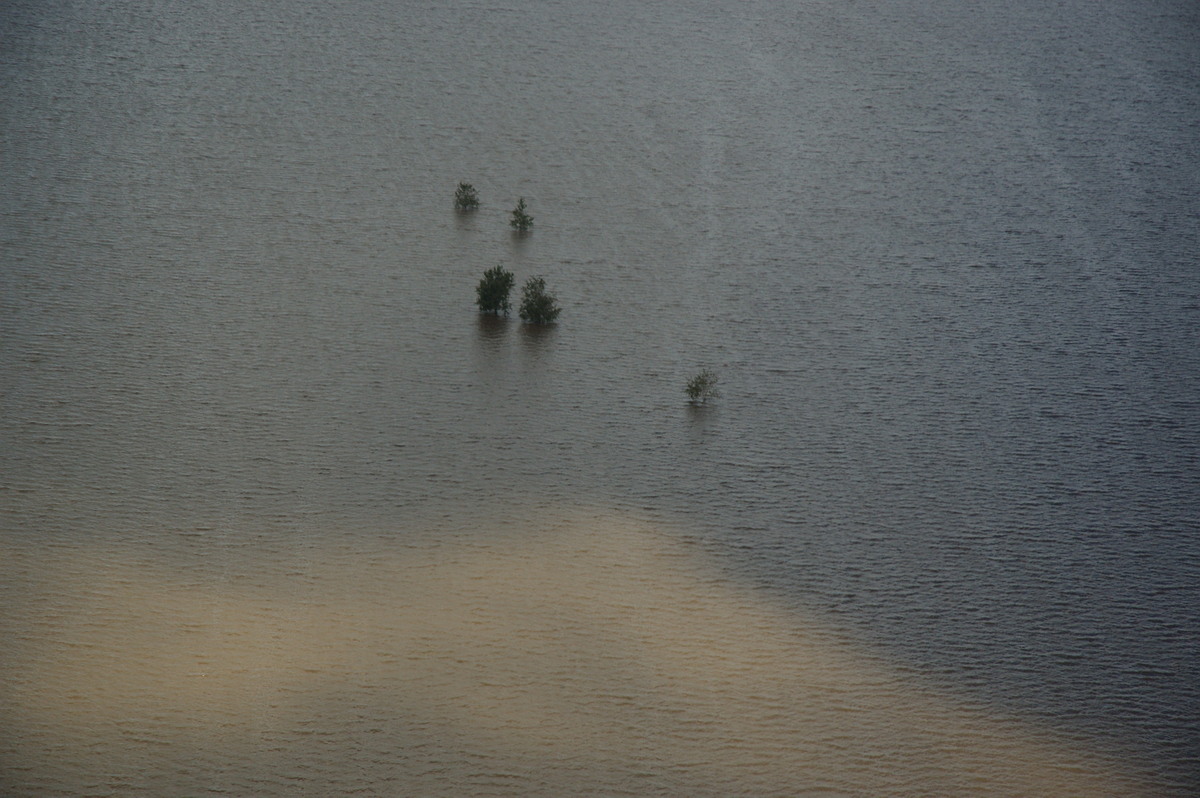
(281, 513)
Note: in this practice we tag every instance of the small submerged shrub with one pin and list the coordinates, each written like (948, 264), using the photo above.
(520, 221)
(701, 387)
(466, 198)
(492, 292)
(538, 306)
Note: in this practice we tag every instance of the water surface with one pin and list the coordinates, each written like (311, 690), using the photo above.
(282, 514)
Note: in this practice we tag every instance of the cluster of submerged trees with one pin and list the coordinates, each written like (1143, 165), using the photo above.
(466, 198)
(539, 306)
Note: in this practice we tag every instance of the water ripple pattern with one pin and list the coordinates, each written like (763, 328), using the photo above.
(281, 513)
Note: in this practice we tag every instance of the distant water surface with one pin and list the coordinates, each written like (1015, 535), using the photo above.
(282, 514)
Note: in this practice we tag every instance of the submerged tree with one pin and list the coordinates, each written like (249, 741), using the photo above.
(520, 220)
(492, 292)
(466, 198)
(701, 387)
(537, 305)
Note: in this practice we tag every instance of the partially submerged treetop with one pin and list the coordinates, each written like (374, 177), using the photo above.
(520, 221)
(701, 387)
(538, 306)
(466, 198)
(492, 292)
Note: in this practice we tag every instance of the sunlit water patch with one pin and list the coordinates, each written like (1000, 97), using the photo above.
(584, 654)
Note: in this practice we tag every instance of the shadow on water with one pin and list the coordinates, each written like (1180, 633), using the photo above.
(492, 330)
(537, 337)
(702, 424)
(520, 240)
(466, 219)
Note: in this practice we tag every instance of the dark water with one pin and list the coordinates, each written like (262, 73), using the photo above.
(283, 515)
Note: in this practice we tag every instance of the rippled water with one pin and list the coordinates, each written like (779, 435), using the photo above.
(283, 515)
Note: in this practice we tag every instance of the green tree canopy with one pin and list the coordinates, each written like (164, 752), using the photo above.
(538, 306)
(492, 292)
(466, 198)
(520, 220)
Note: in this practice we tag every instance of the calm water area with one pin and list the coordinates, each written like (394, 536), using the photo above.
(282, 514)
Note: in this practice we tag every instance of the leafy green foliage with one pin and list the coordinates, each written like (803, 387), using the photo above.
(702, 387)
(537, 305)
(466, 198)
(492, 292)
(520, 220)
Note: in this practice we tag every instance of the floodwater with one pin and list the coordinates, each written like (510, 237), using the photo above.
(283, 515)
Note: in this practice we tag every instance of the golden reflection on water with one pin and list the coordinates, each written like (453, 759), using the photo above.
(595, 658)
